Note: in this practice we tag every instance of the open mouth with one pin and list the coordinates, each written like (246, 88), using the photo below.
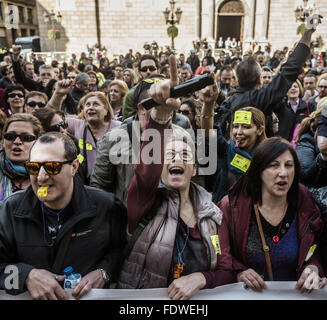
(176, 171)
(17, 150)
(282, 183)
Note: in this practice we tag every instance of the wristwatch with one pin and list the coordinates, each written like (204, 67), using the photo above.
(105, 275)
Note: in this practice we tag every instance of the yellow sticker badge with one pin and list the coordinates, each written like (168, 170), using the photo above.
(215, 243)
(241, 162)
(87, 145)
(242, 117)
(42, 191)
(310, 252)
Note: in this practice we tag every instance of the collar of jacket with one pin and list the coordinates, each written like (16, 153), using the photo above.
(83, 206)
(204, 208)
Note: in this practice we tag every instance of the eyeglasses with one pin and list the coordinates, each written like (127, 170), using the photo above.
(23, 137)
(51, 167)
(13, 95)
(56, 127)
(322, 87)
(34, 103)
(183, 154)
(184, 112)
(146, 68)
(119, 70)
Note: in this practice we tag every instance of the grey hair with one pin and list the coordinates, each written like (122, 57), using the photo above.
(81, 77)
(45, 66)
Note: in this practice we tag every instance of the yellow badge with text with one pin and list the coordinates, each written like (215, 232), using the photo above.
(87, 145)
(241, 162)
(242, 117)
(310, 252)
(215, 243)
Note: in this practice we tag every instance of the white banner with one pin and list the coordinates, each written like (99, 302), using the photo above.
(277, 290)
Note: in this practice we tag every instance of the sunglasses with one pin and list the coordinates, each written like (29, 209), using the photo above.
(56, 127)
(52, 168)
(23, 137)
(13, 95)
(146, 68)
(184, 112)
(33, 104)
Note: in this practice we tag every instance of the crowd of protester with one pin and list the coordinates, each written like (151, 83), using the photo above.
(77, 188)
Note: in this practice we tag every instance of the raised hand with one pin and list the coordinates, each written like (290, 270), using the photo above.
(160, 92)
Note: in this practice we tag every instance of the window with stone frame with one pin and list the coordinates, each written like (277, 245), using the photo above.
(21, 14)
(30, 15)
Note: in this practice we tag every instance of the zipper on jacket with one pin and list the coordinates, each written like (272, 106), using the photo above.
(308, 225)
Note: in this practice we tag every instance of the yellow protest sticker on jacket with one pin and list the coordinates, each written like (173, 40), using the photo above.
(42, 191)
(310, 252)
(87, 145)
(80, 158)
(215, 243)
(242, 117)
(241, 162)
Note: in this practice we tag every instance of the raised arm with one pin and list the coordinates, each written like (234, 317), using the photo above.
(27, 83)
(143, 188)
(63, 88)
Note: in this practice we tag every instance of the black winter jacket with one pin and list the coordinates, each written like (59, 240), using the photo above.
(313, 167)
(98, 235)
(288, 119)
(268, 96)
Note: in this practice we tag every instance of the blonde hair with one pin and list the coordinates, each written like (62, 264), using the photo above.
(258, 119)
(122, 86)
(321, 77)
(102, 97)
(322, 102)
(134, 76)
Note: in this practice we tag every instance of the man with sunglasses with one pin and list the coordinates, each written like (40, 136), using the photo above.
(35, 100)
(148, 66)
(58, 222)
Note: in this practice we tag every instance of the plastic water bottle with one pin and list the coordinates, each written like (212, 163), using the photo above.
(72, 278)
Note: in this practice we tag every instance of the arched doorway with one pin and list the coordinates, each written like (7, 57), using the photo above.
(230, 20)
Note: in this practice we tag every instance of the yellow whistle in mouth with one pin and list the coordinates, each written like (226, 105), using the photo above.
(42, 191)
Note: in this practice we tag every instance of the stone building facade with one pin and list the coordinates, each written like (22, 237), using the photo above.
(123, 24)
(27, 21)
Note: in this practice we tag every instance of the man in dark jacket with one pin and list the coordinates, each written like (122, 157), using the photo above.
(56, 223)
(46, 73)
(193, 60)
(251, 92)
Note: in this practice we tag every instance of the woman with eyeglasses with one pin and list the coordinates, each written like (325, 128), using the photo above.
(14, 99)
(19, 133)
(177, 224)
